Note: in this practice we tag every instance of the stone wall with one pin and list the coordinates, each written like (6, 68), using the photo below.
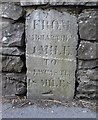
(19, 44)
(87, 74)
(13, 48)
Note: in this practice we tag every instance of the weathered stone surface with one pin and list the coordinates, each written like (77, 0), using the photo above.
(16, 1)
(87, 50)
(33, 2)
(88, 23)
(88, 75)
(11, 82)
(12, 34)
(0, 85)
(88, 64)
(88, 90)
(11, 51)
(59, 2)
(12, 64)
(51, 54)
(11, 10)
(88, 83)
(74, 2)
(0, 63)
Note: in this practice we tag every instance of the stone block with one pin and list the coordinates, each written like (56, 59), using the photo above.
(59, 2)
(74, 2)
(33, 2)
(12, 51)
(12, 34)
(12, 64)
(85, 64)
(88, 83)
(11, 10)
(11, 82)
(88, 25)
(88, 50)
(88, 75)
(51, 54)
(0, 63)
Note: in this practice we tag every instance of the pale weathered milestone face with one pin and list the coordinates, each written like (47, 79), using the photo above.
(51, 54)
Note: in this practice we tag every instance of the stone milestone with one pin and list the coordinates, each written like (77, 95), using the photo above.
(51, 54)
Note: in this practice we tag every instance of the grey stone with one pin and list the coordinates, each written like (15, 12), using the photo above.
(33, 2)
(11, 10)
(59, 2)
(21, 89)
(12, 51)
(83, 64)
(87, 75)
(74, 2)
(88, 23)
(93, 74)
(51, 54)
(12, 34)
(87, 50)
(11, 82)
(88, 83)
(0, 63)
(12, 64)
(16, 1)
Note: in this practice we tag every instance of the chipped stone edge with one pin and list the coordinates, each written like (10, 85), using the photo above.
(60, 3)
(49, 2)
(1, 67)
(77, 3)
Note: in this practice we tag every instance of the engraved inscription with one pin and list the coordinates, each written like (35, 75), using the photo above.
(54, 24)
(51, 50)
(46, 37)
(52, 62)
(49, 72)
(53, 83)
(51, 53)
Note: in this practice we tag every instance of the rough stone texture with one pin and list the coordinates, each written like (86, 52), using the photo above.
(12, 34)
(16, 1)
(51, 48)
(11, 82)
(59, 2)
(33, 2)
(12, 64)
(12, 51)
(88, 23)
(12, 48)
(74, 2)
(88, 54)
(87, 50)
(51, 54)
(11, 10)
(0, 63)
(83, 64)
(88, 83)
(86, 75)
